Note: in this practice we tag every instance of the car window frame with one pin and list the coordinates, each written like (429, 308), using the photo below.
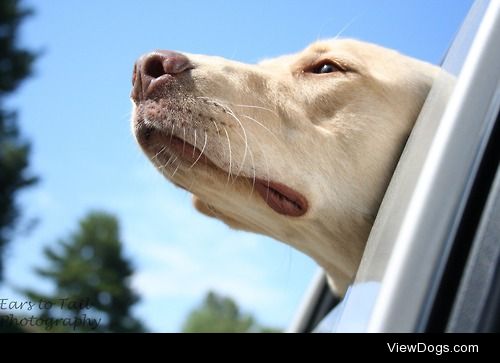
(400, 305)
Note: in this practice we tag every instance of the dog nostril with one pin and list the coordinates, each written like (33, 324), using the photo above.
(154, 67)
(149, 72)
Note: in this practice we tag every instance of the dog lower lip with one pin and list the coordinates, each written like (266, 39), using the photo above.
(151, 138)
(281, 198)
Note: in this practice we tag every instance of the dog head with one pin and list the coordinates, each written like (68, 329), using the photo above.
(300, 148)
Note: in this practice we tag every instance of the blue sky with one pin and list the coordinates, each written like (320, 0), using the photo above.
(76, 111)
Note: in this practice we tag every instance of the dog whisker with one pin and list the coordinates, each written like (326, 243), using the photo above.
(230, 157)
(254, 176)
(172, 133)
(216, 127)
(201, 153)
(171, 159)
(264, 127)
(158, 153)
(175, 171)
(194, 148)
(245, 139)
(348, 25)
(258, 108)
(272, 110)
(183, 139)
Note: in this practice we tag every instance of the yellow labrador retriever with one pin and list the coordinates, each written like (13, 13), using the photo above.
(300, 148)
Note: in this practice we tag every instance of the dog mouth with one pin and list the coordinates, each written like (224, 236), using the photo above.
(281, 198)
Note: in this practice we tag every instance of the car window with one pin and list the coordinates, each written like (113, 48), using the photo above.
(419, 211)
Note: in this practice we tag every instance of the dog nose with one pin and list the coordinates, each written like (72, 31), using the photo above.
(155, 69)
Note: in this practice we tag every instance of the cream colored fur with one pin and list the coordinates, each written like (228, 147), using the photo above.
(333, 137)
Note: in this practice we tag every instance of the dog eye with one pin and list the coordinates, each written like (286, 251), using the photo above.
(325, 67)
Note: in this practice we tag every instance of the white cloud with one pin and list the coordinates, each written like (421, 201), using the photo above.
(171, 257)
(166, 283)
(172, 272)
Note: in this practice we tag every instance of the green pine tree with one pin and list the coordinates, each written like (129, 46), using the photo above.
(89, 266)
(15, 66)
(220, 314)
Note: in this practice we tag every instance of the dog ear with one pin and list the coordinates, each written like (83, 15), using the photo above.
(210, 211)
